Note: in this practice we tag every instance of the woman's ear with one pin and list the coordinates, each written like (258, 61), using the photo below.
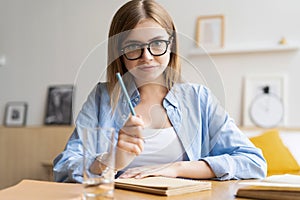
(171, 39)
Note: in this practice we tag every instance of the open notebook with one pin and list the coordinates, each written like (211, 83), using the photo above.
(162, 185)
(281, 187)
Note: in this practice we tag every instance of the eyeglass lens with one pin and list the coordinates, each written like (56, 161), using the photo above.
(135, 51)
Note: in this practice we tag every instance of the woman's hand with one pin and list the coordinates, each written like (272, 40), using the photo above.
(130, 141)
(167, 170)
(186, 169)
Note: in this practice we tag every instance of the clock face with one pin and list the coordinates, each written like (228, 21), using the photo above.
(266, 110)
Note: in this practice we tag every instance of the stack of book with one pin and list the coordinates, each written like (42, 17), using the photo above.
(277, 187)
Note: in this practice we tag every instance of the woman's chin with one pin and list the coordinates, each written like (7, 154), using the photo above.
(147, 77)
(141, 80)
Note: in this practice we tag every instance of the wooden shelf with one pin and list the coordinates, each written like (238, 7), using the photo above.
(244, 49)
(26, 152)
(281, 128)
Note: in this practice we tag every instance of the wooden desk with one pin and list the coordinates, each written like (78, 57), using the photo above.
(36, 190)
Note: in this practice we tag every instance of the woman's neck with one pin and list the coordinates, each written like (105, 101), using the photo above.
(153, 90)
(151, 106)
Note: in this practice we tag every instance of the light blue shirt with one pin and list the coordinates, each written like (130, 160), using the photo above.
(204, 128)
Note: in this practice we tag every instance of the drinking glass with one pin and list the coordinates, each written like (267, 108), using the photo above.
(98, 143)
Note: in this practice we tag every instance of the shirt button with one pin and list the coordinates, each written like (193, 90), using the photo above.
(124, 116)
(136, 99)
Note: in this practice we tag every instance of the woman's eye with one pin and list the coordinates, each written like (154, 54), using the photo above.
(133, 47)
(156, 43)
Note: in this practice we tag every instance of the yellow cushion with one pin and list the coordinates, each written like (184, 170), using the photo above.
(278, 157)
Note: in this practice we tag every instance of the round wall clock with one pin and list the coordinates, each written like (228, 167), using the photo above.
(266, 109)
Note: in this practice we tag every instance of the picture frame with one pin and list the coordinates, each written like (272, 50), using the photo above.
(15, 114)
(210, 31)
(59, 105)
(253, 86)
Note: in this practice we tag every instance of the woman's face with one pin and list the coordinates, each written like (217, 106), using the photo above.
(145, 66)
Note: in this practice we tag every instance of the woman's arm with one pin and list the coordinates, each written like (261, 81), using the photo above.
(185, 169)
(194, 170)
(68, 164)
(230, 155)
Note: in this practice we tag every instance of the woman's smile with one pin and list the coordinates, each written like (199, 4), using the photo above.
(147, 67)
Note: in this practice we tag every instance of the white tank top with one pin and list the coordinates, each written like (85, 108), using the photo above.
(161, 146)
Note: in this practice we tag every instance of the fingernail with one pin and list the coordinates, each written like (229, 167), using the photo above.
(123, 176)
(138, 176)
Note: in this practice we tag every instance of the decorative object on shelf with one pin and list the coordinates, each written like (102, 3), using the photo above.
(15, 114)
(283, 41)
(264, 101)
(59, 105)
(210, 31)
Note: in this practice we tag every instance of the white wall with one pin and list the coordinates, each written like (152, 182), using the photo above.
(46, 41)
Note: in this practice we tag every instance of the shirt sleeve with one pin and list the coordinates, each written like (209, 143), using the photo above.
(231, 154)
(68, 165)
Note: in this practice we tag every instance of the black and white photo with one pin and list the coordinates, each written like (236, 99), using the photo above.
(15, 114)
(59, 105)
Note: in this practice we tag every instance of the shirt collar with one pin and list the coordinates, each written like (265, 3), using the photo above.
(133, 92)
(172, 98)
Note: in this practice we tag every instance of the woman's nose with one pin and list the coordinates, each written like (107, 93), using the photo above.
(146, 54)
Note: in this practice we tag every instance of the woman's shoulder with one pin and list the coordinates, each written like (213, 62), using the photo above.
(191, 87)
(101, 85)
(101, 88)
(193, 91)
(98, 91)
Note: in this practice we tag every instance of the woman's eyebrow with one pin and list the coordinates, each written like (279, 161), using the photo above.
(137, 41)
(157, 38)
(132, 41)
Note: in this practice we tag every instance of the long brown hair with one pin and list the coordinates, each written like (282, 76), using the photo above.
(125, 19)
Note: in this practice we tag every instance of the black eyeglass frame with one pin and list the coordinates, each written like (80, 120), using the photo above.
(142, 48)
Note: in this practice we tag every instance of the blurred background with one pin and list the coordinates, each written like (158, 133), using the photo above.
(44, 43)
(63, 42)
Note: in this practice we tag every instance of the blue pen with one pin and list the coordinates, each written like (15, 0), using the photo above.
(126, 93)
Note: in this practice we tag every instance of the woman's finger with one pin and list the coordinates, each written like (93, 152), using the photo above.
(134, 131)
(131, 173)
(135, 121)
(130, 144)
(133, 126)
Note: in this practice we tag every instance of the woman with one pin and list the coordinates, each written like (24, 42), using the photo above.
(180, 129)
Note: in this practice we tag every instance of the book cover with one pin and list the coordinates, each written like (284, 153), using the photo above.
(162, 185)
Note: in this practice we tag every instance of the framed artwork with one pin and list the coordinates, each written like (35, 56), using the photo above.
(210, 31)
(264, 101)
(15, 114)
(59, 105)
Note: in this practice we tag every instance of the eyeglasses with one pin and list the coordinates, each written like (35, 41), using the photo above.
(155, 47)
